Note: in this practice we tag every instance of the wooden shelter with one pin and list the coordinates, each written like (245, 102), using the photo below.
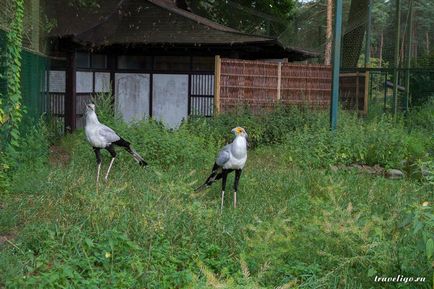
(158, 59)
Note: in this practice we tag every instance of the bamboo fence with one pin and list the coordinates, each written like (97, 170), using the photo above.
(260, 85)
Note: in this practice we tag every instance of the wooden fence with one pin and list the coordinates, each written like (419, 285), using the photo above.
(353, 91)
(260, 85)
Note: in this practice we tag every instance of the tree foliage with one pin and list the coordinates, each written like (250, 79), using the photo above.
(266, 17)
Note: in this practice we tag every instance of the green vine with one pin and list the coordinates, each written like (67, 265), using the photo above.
(11, 110)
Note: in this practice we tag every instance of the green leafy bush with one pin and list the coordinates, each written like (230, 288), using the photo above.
(298, 224)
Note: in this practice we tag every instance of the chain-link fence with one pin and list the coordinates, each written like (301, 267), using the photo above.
(391, 40)
(377, 34)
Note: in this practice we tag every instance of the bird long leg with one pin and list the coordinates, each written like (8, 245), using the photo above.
(98, 169)
(224, 176)
(98, 162)
(113, 154)
(237, 180)
(109, 168)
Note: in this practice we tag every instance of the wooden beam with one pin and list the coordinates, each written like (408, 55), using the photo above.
(357, 91)
(365, 99)
(279, 80)
(217, 75)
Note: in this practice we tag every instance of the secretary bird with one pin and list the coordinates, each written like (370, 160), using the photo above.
(232, 157)
(102, 137)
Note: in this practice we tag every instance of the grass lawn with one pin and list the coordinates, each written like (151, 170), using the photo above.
(299, 223)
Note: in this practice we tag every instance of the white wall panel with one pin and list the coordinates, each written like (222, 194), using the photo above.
(102, 81)
(132, 96)
(170, 98)
(57, 81)
(84, 81)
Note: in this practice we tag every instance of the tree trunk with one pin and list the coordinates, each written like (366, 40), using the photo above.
(355, 33)
(328, 47)
(380, 56)
(35, 34)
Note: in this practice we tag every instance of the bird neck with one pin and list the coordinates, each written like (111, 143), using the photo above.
(240, 141)
(91, 118)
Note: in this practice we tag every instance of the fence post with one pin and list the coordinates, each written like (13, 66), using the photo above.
(217, 76)
(396, 57)
(336, 65)
(70, 95)
(279, 79)
(366, 96)
(408, 60)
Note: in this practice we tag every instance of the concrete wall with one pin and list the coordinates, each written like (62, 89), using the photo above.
(132, 96)
(170, 98)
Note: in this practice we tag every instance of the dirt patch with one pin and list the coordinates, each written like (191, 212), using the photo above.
(6, 237)
(374, 170)
(59, 156)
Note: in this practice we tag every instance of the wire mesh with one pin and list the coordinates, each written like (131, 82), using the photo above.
(311, 24)
(411, 44)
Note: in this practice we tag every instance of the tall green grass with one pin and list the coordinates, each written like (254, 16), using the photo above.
(299, 224)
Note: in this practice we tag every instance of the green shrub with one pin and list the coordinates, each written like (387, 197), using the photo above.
(30, 157)
(298, 224)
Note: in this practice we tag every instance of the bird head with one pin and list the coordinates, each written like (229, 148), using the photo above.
(239, 131)
(90, 107)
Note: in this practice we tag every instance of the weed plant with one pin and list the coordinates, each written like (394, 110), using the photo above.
(299, 224)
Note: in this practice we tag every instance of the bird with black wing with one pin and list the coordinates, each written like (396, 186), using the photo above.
(101, 136)
(232, 157)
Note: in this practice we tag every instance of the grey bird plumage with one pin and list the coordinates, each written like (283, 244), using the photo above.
(101, 136)
(232, 157)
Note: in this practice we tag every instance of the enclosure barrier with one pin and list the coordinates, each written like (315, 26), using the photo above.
(33, 80)
(260, 85)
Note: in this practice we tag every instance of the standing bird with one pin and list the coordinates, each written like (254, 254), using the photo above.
(102, 137)
(232, 157)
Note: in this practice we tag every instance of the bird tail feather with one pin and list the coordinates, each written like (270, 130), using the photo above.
(127, 146)
(138, 158)
(215, 175)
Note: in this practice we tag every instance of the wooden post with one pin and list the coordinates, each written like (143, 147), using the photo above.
(365, 99)
(396, 56)
(217, 76)
(329, 33)
(408, 58)
(357, 91)
(279, 79)
(35, 14)
(70, 95)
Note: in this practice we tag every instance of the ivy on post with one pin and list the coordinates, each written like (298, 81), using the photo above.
(11, 110)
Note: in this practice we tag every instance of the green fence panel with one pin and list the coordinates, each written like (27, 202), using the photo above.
(33, 81)
(33, 84)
